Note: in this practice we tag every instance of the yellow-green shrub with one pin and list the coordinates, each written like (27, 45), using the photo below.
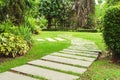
(12, 45)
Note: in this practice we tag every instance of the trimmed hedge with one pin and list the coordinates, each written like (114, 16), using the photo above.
(111, 31)
(87, 30)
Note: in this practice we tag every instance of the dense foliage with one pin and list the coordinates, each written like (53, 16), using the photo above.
(24, 32)
(12, 46)
(15, 33)
(112, 30)
(83, 11)
(55, 11)
(113, 2)
(13, 10)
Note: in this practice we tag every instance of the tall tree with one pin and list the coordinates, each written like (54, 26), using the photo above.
(55, 9)
(84, 9)
(112, 2)
(3, 10)
(14, 10)
(50, 9)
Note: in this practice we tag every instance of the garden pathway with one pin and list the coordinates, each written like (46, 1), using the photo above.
(66, 64)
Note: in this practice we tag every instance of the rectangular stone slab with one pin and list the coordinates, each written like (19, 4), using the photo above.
(40, 39)
(14, 76)
(58, 66)
(78, 48)
(74, 56)
(59, 39)
(81, 51)
(50, 39)
(46, 73)
(78, 53)
(68, 61)
(85, 49)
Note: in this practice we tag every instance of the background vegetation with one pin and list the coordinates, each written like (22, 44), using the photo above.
(21, 20)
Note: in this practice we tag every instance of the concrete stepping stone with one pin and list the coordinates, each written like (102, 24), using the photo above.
(85, 49)
(40, 39)
(58, 66)
(68, 61)
(14, 76)
(92, 50)
(46, 73)
(50, 39)
(74, 56)
(60, 39)
(80, 53)
(81, 48)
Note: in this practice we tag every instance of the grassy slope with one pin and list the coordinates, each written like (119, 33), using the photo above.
(39, 49)
(100, 70)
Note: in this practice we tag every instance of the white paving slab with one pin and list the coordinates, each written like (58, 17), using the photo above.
(78, 48)
(74, 56)
(14, 76)
(50, 39)
(68, 61)
(78, 53)
(40, 39)
(46, 73)
(58, 66)
(60, 39)
(84, 49)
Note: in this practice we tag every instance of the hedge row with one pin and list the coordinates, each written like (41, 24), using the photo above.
(112, 30)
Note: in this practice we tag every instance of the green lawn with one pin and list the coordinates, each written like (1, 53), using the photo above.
(100, 70)
(38, 50)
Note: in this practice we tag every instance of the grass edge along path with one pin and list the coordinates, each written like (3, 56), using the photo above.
(38, 50)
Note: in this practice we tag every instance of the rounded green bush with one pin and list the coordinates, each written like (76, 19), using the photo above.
(111, 31)
(12, 45)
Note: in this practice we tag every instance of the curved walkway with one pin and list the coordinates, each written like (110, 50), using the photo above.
(66, 64)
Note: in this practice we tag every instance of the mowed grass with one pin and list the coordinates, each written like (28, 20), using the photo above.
(38, 50)
(100, 70)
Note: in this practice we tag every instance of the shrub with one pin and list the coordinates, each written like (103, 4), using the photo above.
(5, 26)
(43, 23)
(86, 30)
(23, 31)
(36, 30)
(112, 31)
(34, 26)
(12, 45)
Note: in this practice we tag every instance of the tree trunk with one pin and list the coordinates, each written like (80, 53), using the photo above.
(49, 23)
(116, 58)
(83, 10)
